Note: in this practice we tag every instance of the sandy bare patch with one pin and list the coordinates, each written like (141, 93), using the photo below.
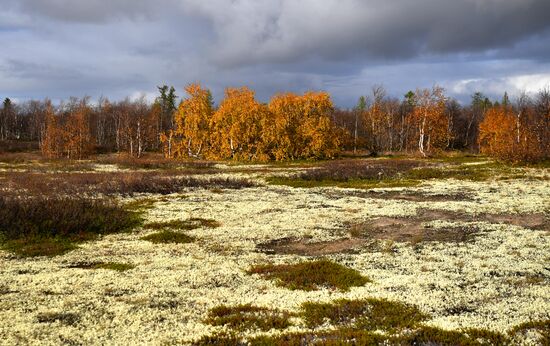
(416, 229)
(410, 230)
(413, 196)
(532, 221)
(294, 246)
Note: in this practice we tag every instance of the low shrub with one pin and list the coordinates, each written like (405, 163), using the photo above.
(66, 318)
(367, 314)
(313, 275)
(467, 337)
(248, 317)
(165, 237)
(36, 226)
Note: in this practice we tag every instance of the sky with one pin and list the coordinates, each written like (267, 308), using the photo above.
(120, 48)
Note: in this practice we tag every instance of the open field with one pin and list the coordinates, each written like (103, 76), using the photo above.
(448, 251)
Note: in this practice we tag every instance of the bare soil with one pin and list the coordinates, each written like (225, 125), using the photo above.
(301, 246)
(402, 229)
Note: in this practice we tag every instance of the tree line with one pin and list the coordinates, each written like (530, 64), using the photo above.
(288, 127)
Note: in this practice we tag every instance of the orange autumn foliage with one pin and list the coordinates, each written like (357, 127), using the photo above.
(290, 127)
(72, 138)
(509, 136)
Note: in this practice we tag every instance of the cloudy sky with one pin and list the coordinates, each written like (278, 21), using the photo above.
(118, 48)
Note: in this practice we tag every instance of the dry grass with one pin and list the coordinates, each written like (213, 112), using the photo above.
(157, 162)
(29, 183)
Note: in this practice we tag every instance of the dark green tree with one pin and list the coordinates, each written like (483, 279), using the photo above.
(167, 101)
(7, 119)
(410, 98)
(359, 111)
(505, 100)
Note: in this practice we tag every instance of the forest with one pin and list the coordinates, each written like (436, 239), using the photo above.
(288, 127)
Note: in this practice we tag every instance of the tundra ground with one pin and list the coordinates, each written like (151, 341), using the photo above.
(395, 251)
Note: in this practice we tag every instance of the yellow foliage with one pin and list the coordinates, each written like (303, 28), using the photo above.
(290, 127)
(192, 124)
(302, 126)
(237, 126)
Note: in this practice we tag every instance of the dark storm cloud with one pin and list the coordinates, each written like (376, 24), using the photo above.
(286, 31)
(122, 47)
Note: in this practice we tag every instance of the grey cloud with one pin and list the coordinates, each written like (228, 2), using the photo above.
(122, 47)
(288, 30)
(285, 30)
(89, 11)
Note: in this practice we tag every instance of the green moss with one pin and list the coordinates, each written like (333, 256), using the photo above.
(39, 246)
(140, 205)
(459, 158)
(169, 237)
(189, 224)
(367, 314)
(248, 317)
(448, 173)
(312, 275)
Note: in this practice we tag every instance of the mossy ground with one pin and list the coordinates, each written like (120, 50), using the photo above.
(354, 322)
(39, 246)
(460, 167)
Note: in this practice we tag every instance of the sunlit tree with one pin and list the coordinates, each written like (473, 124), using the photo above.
(430, 119)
